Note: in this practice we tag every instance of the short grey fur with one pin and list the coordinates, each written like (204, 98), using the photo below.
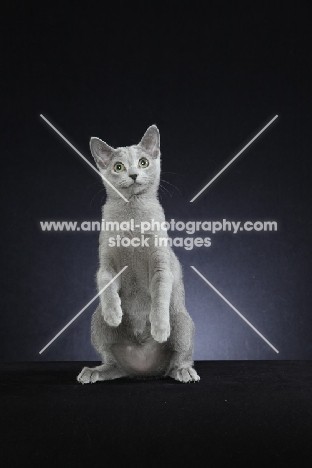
(141, 327)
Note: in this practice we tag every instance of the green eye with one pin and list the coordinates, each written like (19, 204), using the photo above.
(119, 167)
(143, 162)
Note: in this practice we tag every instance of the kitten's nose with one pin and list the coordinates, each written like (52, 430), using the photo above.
(133, 176)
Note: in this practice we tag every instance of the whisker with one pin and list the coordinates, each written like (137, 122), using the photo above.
(176, 173)
(161, 188)
(102, 190)
(93, 183)
(164, 188)
(163, 180)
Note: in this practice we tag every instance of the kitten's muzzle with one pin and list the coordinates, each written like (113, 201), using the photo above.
(133, 176)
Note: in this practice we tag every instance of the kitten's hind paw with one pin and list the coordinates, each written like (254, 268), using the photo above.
(88, 375)
(185, 375)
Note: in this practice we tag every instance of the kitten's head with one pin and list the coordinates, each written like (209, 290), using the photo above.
(133, 170)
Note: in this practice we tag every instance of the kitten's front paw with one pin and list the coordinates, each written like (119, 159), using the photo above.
(160, 331)
(113, 316)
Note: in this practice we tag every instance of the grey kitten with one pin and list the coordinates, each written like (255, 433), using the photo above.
(141, 327)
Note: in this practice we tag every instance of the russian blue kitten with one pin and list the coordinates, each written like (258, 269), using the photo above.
(141, 327)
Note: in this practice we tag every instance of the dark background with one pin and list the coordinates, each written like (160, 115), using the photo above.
(210, 75)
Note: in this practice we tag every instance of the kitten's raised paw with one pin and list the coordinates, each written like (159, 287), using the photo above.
(113, 320)
(114, 316)
(185, 375)
(160, 332)
(88, 375)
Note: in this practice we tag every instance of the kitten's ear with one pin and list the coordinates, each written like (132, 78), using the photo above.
(151, 141)
(101, 152)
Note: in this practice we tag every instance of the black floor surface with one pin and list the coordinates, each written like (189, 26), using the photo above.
(256, 413)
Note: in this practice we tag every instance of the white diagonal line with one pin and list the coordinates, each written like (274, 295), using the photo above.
(82, 310)
(234, 308)
(238, 154)
(82, 156)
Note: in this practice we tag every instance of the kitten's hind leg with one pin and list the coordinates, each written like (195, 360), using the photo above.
(99, 373)
(181, 341)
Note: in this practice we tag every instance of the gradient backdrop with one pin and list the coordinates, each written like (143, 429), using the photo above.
(210, 75)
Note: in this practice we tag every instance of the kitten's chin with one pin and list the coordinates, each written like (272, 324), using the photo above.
(136, 187)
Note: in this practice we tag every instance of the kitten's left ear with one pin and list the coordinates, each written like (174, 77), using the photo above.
(151, 141)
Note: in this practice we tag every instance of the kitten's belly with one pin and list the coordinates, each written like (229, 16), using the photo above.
(148, 358)
(136, 300)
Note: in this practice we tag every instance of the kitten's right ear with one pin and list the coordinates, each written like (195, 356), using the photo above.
(101, 152)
